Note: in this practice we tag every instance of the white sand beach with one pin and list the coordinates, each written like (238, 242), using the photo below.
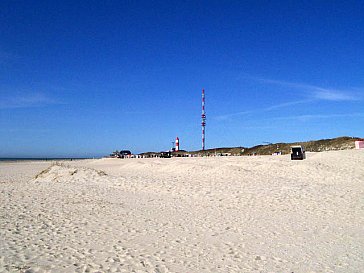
(223, 214)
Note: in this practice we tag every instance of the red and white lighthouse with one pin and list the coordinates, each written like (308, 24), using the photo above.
(177, 144)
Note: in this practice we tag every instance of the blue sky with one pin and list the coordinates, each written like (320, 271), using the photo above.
(83, 78)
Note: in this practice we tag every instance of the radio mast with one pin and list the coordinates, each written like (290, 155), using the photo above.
(203, 116)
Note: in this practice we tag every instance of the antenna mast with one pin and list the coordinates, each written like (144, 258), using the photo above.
(203, 116)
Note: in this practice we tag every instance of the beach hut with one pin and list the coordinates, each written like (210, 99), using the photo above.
(359, 144)
(165, 154)
(298, 152)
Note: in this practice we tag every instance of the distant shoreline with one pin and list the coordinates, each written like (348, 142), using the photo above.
(42, 159)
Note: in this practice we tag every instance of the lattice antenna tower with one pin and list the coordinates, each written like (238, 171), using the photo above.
(203, 117)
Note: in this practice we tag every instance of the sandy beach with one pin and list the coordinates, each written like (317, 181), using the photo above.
(223, 214)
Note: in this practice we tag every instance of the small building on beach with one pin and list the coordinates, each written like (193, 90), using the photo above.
(359, 144)
(121, 154)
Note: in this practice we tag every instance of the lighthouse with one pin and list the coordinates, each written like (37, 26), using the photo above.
(177, 144)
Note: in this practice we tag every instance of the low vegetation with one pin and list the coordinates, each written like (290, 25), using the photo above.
(340, 143)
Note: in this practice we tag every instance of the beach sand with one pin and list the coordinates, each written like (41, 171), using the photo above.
(223, 214)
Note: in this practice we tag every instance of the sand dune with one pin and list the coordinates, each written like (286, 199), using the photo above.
(228, 214)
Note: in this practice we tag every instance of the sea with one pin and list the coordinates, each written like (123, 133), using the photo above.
(4, 159)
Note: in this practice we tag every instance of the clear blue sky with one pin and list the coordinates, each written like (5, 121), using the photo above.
(83, 78)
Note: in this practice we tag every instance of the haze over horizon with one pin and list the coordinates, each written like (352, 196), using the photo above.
(83, 79)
